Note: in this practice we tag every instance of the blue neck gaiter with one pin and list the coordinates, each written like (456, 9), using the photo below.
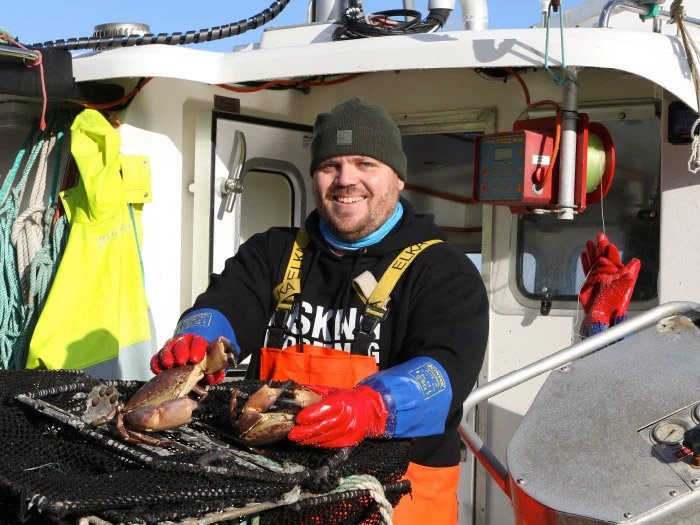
(368, 240)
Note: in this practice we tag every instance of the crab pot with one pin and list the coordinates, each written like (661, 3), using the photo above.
(57, 467)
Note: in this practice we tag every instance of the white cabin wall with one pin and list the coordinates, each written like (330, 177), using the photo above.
(161, 122)
(680, 211)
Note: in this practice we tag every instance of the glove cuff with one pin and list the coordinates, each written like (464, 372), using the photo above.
(378, 410)
(417, 395)
(209, 324)
(589, 328)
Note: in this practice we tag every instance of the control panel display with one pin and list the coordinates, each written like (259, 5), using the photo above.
(502, 154)
(501, 161)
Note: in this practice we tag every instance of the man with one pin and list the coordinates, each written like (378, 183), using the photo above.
(402, 353)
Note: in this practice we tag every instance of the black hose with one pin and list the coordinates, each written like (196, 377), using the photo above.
(189, 37)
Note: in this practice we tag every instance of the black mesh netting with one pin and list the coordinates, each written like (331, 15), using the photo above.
(57, 468)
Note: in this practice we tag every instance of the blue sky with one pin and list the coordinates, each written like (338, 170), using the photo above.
(77, 18)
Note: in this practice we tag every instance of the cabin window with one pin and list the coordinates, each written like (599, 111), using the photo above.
(271, 192)
(548, 249)
(440, 173)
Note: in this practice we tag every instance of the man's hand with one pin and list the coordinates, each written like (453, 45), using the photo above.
(342, 419)
(186, 349)
(607, 290)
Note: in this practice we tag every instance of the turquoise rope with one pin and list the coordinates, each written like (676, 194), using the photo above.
(12, 311)
(558, 79)
(654, 11)
(42, 272)
(14, 169)
(56, 167)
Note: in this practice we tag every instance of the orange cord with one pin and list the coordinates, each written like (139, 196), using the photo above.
(555, 152)
(557, 132)
(279, 82)
(33, 63)
(131, 94)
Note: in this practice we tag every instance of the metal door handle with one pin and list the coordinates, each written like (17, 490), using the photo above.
(232, 186)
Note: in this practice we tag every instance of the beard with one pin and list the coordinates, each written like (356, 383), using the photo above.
(351, 226)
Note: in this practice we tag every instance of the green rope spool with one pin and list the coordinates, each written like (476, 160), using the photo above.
(600, 159)
(596, 162)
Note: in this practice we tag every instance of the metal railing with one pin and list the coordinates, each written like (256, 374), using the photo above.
(641, 9)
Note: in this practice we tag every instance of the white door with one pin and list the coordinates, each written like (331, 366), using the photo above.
(264, 163)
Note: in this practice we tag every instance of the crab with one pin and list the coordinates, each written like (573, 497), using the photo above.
(255, 426)
(163, 402)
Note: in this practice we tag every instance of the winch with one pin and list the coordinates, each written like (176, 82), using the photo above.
(520, 168)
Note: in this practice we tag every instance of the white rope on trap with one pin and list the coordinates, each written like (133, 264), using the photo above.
(372, 484)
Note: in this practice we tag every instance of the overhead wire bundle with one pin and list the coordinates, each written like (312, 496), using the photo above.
(177, 38)
(356, 24)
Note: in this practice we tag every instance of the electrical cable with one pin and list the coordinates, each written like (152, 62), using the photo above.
(355, 24)
(289, 84)
(557, 133)
(123, 100)
(178, 38)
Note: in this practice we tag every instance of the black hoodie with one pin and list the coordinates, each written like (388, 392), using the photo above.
(438, 308)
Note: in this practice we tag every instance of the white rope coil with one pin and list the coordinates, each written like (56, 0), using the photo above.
(376, 491)
(27, 234)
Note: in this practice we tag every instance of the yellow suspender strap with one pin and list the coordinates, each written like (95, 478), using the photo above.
(284, 293)
(379, 297)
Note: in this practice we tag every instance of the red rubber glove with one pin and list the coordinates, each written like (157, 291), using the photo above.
(186, 349)
(607, 291)
(342, 419)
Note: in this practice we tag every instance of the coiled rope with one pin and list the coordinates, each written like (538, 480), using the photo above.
(31, 244)
(27, 234)
(692, 55)
(11, 304)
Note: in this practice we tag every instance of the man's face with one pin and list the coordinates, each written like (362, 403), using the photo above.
(355, 194)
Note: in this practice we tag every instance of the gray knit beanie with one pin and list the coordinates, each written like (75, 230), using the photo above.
(356, 127)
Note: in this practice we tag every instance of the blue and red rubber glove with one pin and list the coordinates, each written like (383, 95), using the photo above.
(342, 419)
(185, 349)
(195, 331)
(607, 291)
(411, 399)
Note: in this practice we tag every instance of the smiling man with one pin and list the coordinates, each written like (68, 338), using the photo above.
(366, 302)
(355, 194)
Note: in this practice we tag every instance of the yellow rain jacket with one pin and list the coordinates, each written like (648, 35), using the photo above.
(97, 303)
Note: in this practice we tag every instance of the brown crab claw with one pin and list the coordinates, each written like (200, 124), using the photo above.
(261, 429)
(253, 409)
(220, 354)
(257, 426)
(167, 415)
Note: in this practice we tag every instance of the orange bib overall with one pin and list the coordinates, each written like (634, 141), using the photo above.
(433, 498)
